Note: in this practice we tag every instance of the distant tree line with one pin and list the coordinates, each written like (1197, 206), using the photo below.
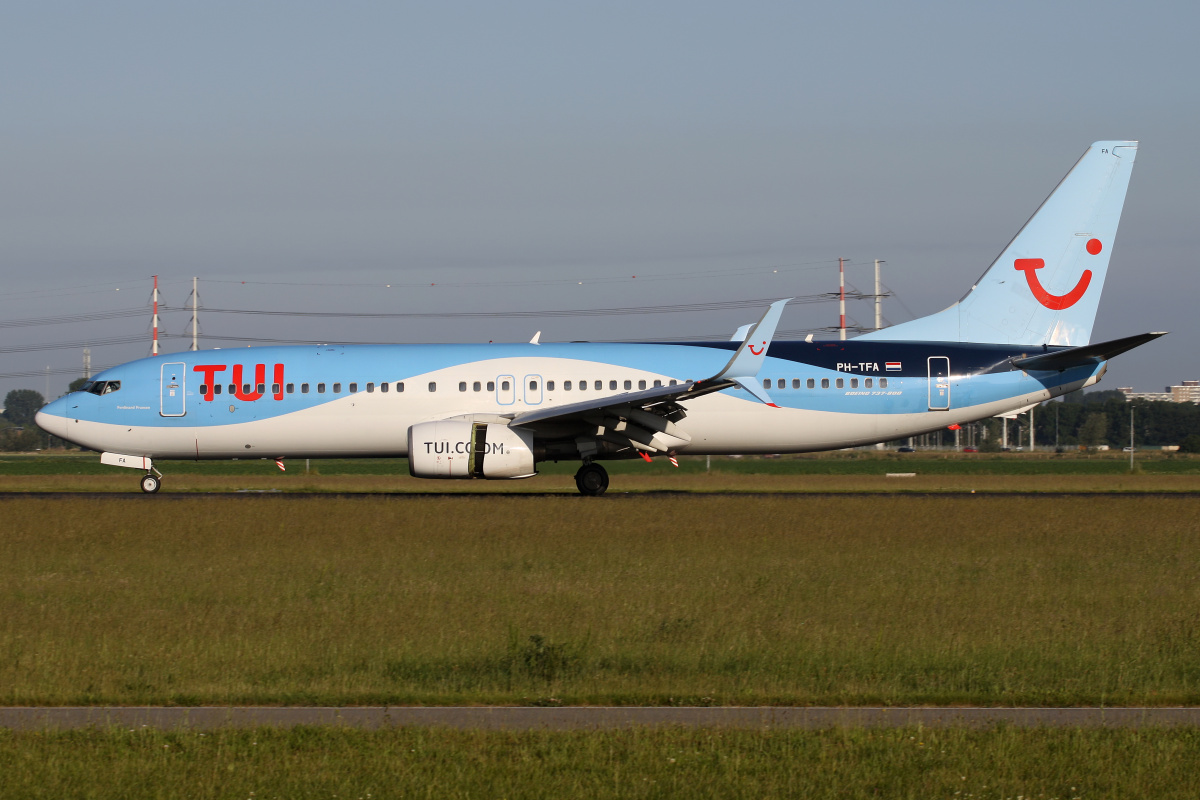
(1096, 418)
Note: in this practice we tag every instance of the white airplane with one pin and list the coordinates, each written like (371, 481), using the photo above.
(1021, 335)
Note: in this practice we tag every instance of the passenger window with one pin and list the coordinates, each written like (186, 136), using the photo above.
(811, 384)
(260, 388)
(504, 386)
(217, 389)
(795, 383)
(583, 386)
(353, 388)
(549, 386)
(245, 388)
(628, 384)
(370, 387)
(868, 382)
(462, 386)
(841, 383)
(533, 386)
(566, 386)
(203, 388)
(337, 388)
(671, 383)
(433, 386)
(657, 384)
(491, 386)
(781, 383)
(320, 388)
(400, 386)
(476, 386)
(612, 386)
(824, 383)
(304, 388)
(383, 387)
(854, 383)
(291, 388)
(641, 384)
(274, 388)
(600, 385)
(766, 383)
(883, 383)
(233, 388)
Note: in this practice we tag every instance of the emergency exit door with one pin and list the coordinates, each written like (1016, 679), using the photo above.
(939, 383)
(170, 401)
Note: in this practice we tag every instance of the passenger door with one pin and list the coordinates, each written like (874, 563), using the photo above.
(171, 399)
(939, 383)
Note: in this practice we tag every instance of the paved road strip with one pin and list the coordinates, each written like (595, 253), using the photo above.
(583, 718)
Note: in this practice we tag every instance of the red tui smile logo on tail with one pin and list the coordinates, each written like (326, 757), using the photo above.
(759, 351)
(1056, 302)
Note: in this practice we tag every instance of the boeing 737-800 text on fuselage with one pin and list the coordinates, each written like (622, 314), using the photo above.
(1021, 335)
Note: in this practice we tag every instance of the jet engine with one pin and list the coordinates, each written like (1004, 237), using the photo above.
(464, 449)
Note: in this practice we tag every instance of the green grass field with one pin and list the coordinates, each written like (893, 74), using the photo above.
(855, 471)
(629, 600)
(646, 763)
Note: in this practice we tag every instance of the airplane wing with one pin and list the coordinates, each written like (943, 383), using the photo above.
(1087, 355)
(646, 419)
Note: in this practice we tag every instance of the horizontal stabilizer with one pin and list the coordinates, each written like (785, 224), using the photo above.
(1087, 355)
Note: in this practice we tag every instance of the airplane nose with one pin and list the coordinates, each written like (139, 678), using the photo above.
(52, 418)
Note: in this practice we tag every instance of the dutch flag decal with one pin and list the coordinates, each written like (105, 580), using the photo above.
(893, 366)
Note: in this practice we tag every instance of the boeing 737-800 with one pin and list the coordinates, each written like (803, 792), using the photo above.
(1020, 336)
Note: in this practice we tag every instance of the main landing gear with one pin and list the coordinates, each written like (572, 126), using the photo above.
(592, 479)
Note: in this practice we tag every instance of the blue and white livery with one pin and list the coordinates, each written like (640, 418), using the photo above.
(1020, 336)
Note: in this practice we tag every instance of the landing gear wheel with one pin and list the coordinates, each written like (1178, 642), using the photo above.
(592, 480)
(151, 484)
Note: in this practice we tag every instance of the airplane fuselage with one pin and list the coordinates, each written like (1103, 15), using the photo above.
(361, 400)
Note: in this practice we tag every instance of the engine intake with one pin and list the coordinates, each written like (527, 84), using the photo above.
(462, 449)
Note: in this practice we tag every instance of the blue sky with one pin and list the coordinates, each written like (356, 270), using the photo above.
(539, 155)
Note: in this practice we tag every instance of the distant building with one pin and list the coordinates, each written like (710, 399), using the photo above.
(1185, 392)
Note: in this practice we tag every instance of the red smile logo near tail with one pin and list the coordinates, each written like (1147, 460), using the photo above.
(759, 351)
(1056, 302)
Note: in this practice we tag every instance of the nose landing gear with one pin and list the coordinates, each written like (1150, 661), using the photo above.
(151, 483)
(591, 479)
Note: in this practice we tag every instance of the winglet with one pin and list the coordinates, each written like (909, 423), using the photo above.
(749, 358)
(535, 338)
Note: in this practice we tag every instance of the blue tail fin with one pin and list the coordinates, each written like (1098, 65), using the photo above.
(1045, 287)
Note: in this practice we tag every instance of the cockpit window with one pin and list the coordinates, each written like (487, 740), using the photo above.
(101, 387)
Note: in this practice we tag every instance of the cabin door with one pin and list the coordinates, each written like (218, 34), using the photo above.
(939, 383)
(170, 400)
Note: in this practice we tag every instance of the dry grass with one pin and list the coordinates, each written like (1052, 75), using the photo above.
(665, 762)
(714, 599)
(126, 481)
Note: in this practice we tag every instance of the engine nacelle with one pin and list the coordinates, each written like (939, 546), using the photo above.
(462, 449)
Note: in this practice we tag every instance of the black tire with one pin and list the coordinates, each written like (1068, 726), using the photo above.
(151, 484)
(591, 480)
